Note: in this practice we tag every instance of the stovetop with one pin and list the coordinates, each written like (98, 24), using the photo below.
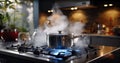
(65, 55)
(91, 53)
(46, 52)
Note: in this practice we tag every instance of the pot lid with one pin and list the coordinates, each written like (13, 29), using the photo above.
(59, 33)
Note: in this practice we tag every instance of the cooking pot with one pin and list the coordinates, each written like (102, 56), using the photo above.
(59, 40)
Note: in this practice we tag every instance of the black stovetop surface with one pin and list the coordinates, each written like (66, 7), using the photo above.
(111, 57)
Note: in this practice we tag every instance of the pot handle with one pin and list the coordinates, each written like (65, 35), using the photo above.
(60, 32)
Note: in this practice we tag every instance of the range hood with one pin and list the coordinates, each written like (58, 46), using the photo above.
(72, 3)
(45, 5)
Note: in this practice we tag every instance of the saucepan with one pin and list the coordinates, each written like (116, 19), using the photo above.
(59, 40)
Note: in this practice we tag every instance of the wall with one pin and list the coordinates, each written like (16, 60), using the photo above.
(107, 16)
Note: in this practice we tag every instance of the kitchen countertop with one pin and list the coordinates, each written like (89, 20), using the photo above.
(103, 35)
(85, 58)
(110, 57)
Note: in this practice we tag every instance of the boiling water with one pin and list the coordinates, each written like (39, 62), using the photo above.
(57, 21)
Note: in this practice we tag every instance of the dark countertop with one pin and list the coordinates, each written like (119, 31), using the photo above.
(111, 57)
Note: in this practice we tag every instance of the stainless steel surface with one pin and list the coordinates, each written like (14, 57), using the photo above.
(59, 41)
(85, 57)
(70, 3)
(100, 51)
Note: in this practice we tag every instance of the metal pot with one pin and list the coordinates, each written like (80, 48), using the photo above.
(59, 40)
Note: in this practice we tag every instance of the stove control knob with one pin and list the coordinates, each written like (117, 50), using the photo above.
(22, 49)
(36, 52)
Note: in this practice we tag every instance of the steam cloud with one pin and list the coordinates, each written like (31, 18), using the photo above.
(59, 22)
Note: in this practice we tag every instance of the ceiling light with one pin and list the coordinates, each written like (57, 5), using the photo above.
(72, 8)
(105, 5)
(75, 8)
(110, 4)
(50, 11)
